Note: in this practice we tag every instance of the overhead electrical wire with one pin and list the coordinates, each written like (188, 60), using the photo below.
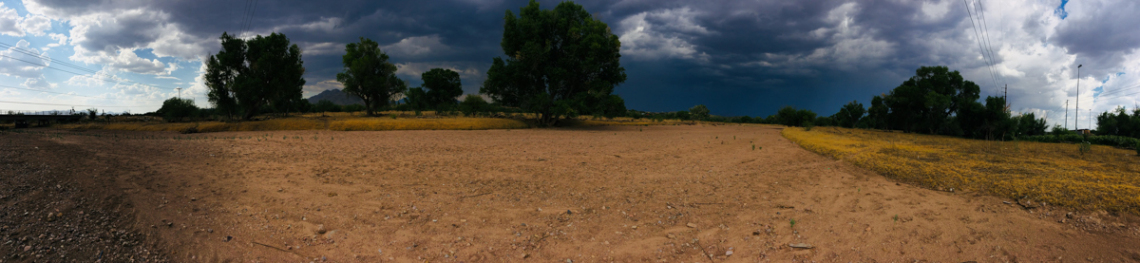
(57, 104)
(36, 90)
(252, 14)
(989, 41)
(30, 52)
(244, 15)
(982, 49)
(94, 75)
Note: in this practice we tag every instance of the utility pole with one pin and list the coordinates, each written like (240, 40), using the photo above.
(1077, 111)
(1066, 115)
(179, 92)
(1090, 120)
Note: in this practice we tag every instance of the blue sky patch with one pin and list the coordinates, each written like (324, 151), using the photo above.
(1060, 11)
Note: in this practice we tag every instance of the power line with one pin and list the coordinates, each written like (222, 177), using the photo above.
(113, 78)
(41, 65)
(989, 41)
(49, 59)
(252, 12)
(979, 40)
(1117, 91)
(244, 15)
(10, 87)
(65, 105)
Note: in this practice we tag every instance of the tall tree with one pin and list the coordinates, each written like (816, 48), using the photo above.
(556, 59)
(369, 75)
(417, 99)
(926, 101)
(249, 75)
(443, 87)
(850, 114)
(877, 113)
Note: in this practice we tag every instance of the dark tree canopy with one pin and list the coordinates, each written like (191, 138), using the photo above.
(789, 116)
(442, 88)
(177, 109)
(877, 114)
(699, 112)
(473, 104)
(1120, 123)
(556, 60)
(369, 75)
(849, 115)
(926, 101)
(417, 99)
(247, 76)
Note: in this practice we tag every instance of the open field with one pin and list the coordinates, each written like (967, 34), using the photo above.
(343, 121)
(1034, 173)
(690, 193)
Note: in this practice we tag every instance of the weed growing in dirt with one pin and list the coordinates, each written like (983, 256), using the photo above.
(1050, 173)
(1085, 147)
(896, 218)
(793, 222)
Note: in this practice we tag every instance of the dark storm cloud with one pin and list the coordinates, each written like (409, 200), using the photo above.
(739, 57)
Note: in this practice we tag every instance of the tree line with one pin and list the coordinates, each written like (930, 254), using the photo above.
(934, 101)
(561, 63)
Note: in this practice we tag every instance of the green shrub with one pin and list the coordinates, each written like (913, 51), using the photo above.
(1085, 147)
(177, 109)
(353, 108)
(92, 112)
(326, 106)
(473, 104)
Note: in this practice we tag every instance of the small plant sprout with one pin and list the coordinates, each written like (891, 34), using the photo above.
(896, 218)
(753, 147)
(1085, 147)
(793, 222)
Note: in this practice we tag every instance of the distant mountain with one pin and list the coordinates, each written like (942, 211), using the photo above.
(336, 96)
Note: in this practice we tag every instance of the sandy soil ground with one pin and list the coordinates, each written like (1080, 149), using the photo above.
(625, 194)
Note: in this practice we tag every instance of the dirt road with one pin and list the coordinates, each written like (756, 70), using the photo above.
(625, 194)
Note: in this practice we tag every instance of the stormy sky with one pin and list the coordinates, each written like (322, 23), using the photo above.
(737, 57)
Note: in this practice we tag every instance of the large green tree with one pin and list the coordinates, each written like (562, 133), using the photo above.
(369, 75)
(926, 101)
(443, 87)
(850, 114)
(877, 114)
(699, 112)
(247, 76)
(176, 109)
(556, 59)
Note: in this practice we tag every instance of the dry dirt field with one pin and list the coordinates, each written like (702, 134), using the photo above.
(625, 194)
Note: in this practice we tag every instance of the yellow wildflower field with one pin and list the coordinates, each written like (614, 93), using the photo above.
(1054, 173)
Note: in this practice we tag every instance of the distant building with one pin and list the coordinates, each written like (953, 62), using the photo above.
(1083, 131)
